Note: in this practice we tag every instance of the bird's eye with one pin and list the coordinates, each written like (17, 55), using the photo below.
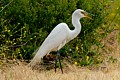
(82, 12)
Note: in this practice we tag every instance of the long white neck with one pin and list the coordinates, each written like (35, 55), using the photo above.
(76, 23)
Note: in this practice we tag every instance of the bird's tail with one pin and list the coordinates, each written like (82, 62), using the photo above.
(33, 62)
(39, 53)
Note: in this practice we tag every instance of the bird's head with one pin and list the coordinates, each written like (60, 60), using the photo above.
(81, 13)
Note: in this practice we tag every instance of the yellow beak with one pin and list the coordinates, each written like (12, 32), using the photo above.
(87, 15)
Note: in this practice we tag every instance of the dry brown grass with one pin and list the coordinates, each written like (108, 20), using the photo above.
(105, 71)
(22, 72)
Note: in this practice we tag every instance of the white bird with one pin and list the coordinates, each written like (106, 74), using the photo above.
(59, 36)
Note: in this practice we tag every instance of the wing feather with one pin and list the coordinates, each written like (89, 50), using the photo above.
(57, 36)
(55, 40)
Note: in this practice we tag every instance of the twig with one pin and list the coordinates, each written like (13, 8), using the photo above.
(14, 46)
(17, 45)
(6, 5)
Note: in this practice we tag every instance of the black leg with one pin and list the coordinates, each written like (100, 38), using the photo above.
(58, 54)
(56, 63)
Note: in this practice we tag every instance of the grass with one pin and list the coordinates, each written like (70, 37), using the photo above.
(108, 70)
(22, 72)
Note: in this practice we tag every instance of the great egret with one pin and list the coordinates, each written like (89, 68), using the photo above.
(58, 37)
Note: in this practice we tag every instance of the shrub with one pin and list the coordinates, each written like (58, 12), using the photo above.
(26, 23)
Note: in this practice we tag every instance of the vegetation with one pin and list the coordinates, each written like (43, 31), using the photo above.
(22, 72)
(24, 24)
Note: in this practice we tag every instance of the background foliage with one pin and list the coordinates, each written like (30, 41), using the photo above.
(26, 23)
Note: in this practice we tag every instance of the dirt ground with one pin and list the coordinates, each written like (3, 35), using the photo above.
(22, 72)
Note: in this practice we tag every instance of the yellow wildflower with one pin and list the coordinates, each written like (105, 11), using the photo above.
(87, 58)
(75, 63)
(76, 48)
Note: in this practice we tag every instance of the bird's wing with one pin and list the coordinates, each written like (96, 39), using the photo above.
(57, 37)
(55, 40)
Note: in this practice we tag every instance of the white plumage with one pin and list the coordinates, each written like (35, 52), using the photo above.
(59, 36)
